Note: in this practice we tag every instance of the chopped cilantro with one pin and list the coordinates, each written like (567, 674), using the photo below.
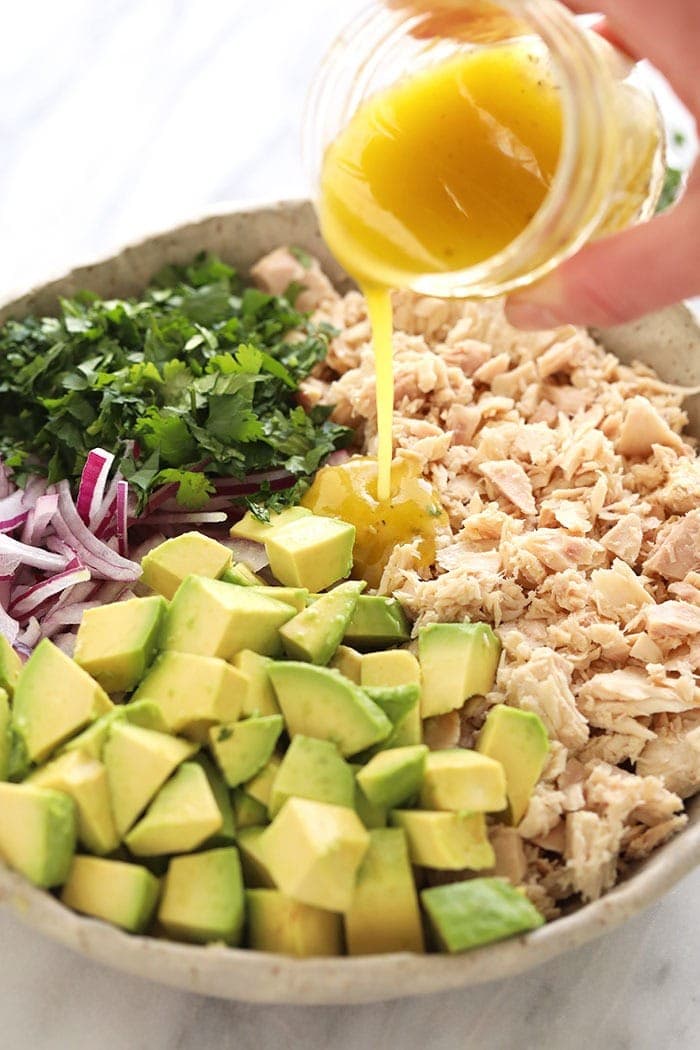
(302, 257)
(671, 189)
(194, 380)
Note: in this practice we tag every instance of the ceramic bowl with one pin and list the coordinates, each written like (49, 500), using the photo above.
(670, 341)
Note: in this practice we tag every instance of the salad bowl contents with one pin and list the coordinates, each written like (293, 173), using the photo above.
(246, 704)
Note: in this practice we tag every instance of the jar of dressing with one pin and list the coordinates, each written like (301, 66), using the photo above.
(465, 148)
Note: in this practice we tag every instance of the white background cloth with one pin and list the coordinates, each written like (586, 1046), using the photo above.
(118, 117)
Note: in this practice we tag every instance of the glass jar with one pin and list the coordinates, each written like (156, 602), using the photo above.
(611, 162)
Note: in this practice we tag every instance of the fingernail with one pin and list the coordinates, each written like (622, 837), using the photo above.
(531, 315)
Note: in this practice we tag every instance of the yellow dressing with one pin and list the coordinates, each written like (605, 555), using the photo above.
(435, 174)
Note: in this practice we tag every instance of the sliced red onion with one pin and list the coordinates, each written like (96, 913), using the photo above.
(104, 519)
(33, 556)
(31, 634)
(6, 485)
(65, 642)
(96, 555)
(70, 616)
(338, 457)
(249, 552)
(30, 600)
(39, 518)
(92, 484)
(13, 511)
(8, 626)
(122, 516)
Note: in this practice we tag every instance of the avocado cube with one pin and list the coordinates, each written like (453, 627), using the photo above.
(182, 816)
(319, 702)
(253, 858)
(371, 816)
(10, 666)
(518, 741)
(226, 834)
(123, 894)
(388, 669)
(456, 779)
(259, 787)
(240, 575)
(248, 812)
(242, 749)
(376, 623)
(5, 735)
(192, 553)
(313, 769)
(384, 915)
(203, 897)
(252, 528)
(116, 643)
(297, 597)
(348, 661)
(313, 852)
(446, 841)
(260, 697)
(54, 699)
(279, 924)
(37, 832)
(311, 552)
(91, 741)
(85, 780)
(315, 634)
(458, 660)
(211, 618)
(193, 692)
(469, 914)
(138, 762)
(394, 776)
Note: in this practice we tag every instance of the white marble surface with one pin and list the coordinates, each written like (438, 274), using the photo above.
(120, 116)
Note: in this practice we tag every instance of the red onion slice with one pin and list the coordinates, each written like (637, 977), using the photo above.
(33, 556)
(96, 555)
(92, 483)
(31, 599)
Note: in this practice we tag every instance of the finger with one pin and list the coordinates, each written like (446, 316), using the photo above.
(619, 278)
(667, 33)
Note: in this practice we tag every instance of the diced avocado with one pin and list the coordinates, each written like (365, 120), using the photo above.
(259, 787)
(240, 575)
(18, 763)
(384, 915)
(193, 692)
(123, 894)
(468, 914)
(446, 841)
(456, 779)
(37, 832)
(348, 661)
(279, 924)
(311, 552)
(401, 704)
(252, 528)
(319, 702)
(241, 749)
(5, 735)
(166, 566)
(315, 634)
(203, 899)
(253, 857)
(458, 660)
(212, 618)
(91, 741)
(10, 666)
(313, 852)
(116, 643)
(376, 623)
(297, 597)
(85, 780)
(371, 816)
(227, 832)
(395, 667)
(248, 812)
(182, 816)
(54, 699)
(392, 778)
(313, 769)
(138, 763)
(260, 697)
(518, 740)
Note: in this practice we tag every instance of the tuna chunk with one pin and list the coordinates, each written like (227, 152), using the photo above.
(678, 552)
(513, 482)
(674, 756)
(643, 427)
(275, 272)
(625, 538)
(670, 621)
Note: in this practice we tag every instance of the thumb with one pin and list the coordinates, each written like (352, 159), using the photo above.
(622, 277)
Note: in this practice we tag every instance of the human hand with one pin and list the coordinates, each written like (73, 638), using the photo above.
(626, 275)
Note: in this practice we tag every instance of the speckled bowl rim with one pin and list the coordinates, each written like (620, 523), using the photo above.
(671, 341)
